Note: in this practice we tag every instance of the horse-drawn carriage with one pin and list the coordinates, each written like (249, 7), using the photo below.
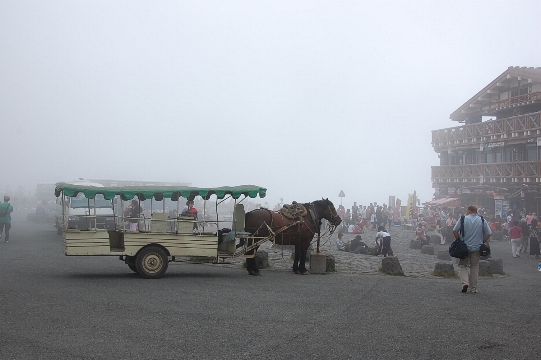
(161, 237)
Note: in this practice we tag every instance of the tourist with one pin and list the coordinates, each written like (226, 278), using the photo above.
(515, 236)
(379, 216)
(347, 218)
(354, 244)
(373, 221)
(367, 215)
(529, 218)
(5, 217)
(362, 212)
(420, 232)
(383, 239)
(525, 234)
(355, 213)
(535, 236)
(132, 212)
(339, 244)
(475, 231)
(450, 224)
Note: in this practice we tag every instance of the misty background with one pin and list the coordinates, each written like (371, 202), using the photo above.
(305, 98)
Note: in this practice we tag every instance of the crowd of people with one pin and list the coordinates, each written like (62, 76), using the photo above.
(360, 218)
(522, 229)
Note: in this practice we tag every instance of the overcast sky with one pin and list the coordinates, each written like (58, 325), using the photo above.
(305, 98)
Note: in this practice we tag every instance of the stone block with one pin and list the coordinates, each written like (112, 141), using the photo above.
(496, 266)
(331, 263)
(390, 265)
(262, 259)
(435, 239)
(444, 269)
(427, 249)
(318, 263)
(444, 255)
(484, 268)
(415, 244)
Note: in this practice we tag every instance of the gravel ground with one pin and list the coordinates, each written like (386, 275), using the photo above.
(58, 307)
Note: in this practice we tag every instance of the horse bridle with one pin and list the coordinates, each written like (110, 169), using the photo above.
(317, 221)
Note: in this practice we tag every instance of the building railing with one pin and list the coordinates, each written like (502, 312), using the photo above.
(495, 173)
(517, 100)
(516, 127)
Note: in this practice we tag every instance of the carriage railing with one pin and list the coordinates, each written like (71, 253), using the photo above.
(178, 225)
(96, 222)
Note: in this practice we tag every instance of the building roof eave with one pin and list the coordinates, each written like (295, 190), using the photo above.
(484, 96)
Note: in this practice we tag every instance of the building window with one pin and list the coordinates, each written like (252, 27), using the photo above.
(498, 157)
(531, 153)
(479, 157)
(508, 155)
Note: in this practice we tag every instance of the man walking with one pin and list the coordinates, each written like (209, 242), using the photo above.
(475, 232)
(5, 217)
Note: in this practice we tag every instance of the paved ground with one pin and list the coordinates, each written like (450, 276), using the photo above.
(58, 307)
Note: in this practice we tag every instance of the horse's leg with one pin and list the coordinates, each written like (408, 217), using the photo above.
(254, 265)
(250, 261)
(297, 257)
(250, 265)
(302, 265)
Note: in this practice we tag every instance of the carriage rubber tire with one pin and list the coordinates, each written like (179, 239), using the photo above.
(151, 262)
(132, 267)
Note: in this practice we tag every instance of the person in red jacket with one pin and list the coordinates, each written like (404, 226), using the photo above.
(515, 236)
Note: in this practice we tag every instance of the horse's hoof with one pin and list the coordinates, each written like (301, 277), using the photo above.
(257, 273)
(305, 272)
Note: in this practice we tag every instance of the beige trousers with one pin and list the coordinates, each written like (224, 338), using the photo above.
(469, 279)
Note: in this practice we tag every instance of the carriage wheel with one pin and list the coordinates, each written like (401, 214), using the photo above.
(130, 261)
(151, 262)
(132, 267)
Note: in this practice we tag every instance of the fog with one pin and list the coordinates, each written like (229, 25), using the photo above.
(304, 98)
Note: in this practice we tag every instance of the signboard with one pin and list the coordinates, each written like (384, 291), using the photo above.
(341, 195)
(494, 144)
(391, 201)
(498, 207)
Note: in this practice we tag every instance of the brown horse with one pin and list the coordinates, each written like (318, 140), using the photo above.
(298, 231)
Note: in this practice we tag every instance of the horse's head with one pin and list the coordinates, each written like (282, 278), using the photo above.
(327, 211)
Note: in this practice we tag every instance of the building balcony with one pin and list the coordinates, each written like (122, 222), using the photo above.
(519, 100)
(517, 129)
(512, 173)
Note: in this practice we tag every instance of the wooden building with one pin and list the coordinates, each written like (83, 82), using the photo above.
(493, 159)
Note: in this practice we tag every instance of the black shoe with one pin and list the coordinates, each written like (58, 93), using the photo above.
(464, 288)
